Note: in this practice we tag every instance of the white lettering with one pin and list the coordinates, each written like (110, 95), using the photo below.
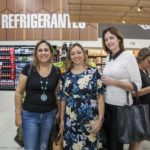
(39, 21)
(46, 22)
(23, 21)
(54, 21)
(61, 21)
(34, 21)
(10, 21)
(69, 23)
(145, 27)
(74, 25)
(4, 21)
(16, 20)
(28, 23)
(82, 25)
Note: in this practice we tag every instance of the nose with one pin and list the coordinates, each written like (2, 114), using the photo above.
(76, 55)
(43, 51)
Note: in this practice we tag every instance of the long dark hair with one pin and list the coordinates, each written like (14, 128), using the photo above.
(113, 30)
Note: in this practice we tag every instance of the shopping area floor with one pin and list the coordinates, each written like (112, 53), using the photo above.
(7, 126)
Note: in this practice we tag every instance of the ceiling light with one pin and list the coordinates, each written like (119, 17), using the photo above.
(123, 21)
(139, 9)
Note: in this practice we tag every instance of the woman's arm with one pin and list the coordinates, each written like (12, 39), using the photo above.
(101, 107)
(62, 112)
(97, 124)
(58, 102)
(144, 91)
(18, 99)
(122, 84)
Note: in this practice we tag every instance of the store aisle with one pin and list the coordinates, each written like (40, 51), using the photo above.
(7, 125)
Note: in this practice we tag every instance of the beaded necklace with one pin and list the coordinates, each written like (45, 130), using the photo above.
(44, 86)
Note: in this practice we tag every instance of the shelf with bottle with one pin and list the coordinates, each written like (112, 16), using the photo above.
(97, 56)
(13, 59)
(7, 75)
(23, 54)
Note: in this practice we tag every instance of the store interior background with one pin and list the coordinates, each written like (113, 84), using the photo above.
(90, 37)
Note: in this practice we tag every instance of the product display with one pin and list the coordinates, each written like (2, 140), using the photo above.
(23, 56)
(7, 71)
(97, 56)
(13, 59)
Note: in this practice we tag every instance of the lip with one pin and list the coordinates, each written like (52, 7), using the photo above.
(110, 45)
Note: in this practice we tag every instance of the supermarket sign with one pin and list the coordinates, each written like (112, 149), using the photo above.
(10, 21)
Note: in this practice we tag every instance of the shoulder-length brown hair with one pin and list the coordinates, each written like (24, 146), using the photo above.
(69, 63)
(113, 30)
(35, 59)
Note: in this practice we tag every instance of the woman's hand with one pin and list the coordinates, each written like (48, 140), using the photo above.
(108, 81)
(18, 120)
(96, 125)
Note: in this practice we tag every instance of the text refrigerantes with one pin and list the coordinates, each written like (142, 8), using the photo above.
(39, 21)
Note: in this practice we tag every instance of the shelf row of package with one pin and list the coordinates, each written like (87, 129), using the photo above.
(24, 51)
(7, 83)
(7, 50)
(6, 66)
(23, 58)
(97, 53)
(6, 75)
(97, 60)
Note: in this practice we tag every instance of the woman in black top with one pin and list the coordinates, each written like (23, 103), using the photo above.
(37, 114)
(143, 60)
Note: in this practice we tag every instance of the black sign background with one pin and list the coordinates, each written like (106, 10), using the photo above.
(128, 31)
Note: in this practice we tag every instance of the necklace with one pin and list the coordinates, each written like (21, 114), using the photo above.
(44, 85)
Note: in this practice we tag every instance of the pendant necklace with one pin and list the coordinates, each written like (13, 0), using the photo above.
(44, 85)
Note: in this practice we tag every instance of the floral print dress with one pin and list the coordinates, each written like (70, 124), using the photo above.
(80, 92)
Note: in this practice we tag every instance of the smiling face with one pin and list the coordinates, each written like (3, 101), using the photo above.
(111, 42)
(77, 56)
(43, 53)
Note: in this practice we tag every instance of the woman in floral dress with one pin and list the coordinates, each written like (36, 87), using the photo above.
(82, 103)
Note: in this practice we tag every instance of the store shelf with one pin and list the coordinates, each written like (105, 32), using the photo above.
(13, 59)
(23, 56)
(97, 56)
(7, 71)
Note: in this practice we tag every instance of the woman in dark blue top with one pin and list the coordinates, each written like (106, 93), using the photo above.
(82, 103)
